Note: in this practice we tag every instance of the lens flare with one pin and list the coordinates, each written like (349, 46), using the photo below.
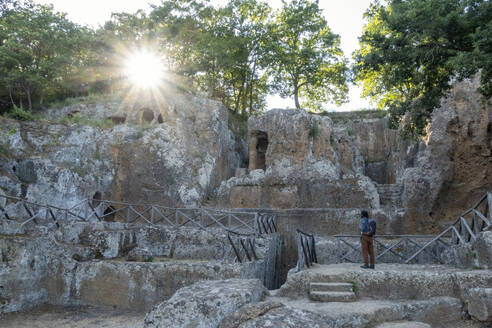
(144, 69)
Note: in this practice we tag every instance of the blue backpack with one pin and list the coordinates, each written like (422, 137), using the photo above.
(368, 225)
(372, 227)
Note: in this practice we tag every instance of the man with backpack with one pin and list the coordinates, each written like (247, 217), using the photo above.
(367, 227)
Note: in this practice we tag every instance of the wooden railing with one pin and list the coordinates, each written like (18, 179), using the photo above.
(306, 250)
(93, 210)
(464, 230)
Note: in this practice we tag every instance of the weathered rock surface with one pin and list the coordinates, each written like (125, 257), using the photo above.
(404, 324)
(483, 249)
(84, 263)
(390, 281)
(279, 312)
(174, 161)
(479, 301)
(453, 166)
(139, 254)
(204, 304)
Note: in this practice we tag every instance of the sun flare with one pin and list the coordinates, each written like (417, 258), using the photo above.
(144, 69)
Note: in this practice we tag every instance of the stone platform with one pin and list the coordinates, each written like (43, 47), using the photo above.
(390, 281)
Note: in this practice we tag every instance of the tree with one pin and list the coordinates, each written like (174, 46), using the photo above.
(219, 49)
(36, 50)
(305, 56)
(412, 50)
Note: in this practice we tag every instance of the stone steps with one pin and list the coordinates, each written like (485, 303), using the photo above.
(331, 292)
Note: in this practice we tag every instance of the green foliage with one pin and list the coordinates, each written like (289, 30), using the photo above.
(238, 123)
(333, 143)
(306, 59)
(237, 53)
(412, 51)
(37, 51)
(18, 113)
(4, 141)
(81, 119)
(313, 131)
(149, 259)
(354, 286)
(81, 171)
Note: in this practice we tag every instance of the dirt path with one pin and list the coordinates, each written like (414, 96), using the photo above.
(72, 317)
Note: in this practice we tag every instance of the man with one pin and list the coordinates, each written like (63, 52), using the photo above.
(367, 229)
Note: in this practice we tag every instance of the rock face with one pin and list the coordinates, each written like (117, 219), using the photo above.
(204, 304)
(84, 263)
(453, 167)
(301, 160)
(176, 160)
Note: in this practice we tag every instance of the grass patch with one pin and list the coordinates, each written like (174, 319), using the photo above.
(357, 115)
(90, 99)
(149, 259)
(84, 120)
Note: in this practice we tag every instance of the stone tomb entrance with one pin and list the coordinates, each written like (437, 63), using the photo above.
(258, 145)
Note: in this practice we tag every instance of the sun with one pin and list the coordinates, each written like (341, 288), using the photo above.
(144, 69)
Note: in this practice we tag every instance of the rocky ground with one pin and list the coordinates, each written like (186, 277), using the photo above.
(72, 317)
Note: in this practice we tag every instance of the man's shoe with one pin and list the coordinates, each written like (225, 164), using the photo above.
(371, 267)
(365, 266)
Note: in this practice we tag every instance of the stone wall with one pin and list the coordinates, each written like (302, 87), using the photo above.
(85, 263)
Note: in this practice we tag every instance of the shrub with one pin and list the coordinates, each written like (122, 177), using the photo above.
(313, 131)
(18, 113)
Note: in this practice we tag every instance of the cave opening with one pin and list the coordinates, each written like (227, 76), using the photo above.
(96, 199)
(261, 149)
(147, 115)
(160, 119)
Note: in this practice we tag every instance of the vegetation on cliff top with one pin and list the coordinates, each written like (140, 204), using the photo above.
(237, 53)
(411, 51)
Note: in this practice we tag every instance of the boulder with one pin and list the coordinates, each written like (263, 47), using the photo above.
(479, 302)
(204, 304)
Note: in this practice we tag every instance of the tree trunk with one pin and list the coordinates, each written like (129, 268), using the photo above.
(41, 99)
(10, 95)
(29, 100)
(296, 97)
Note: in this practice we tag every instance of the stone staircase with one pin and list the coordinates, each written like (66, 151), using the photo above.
(331, 292)
(390, 194)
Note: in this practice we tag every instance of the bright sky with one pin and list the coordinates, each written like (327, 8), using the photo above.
(344, 18)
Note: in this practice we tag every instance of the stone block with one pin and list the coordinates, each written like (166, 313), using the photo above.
(205, 304)
(479, 301)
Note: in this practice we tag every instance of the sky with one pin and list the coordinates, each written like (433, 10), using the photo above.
(344, 18)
